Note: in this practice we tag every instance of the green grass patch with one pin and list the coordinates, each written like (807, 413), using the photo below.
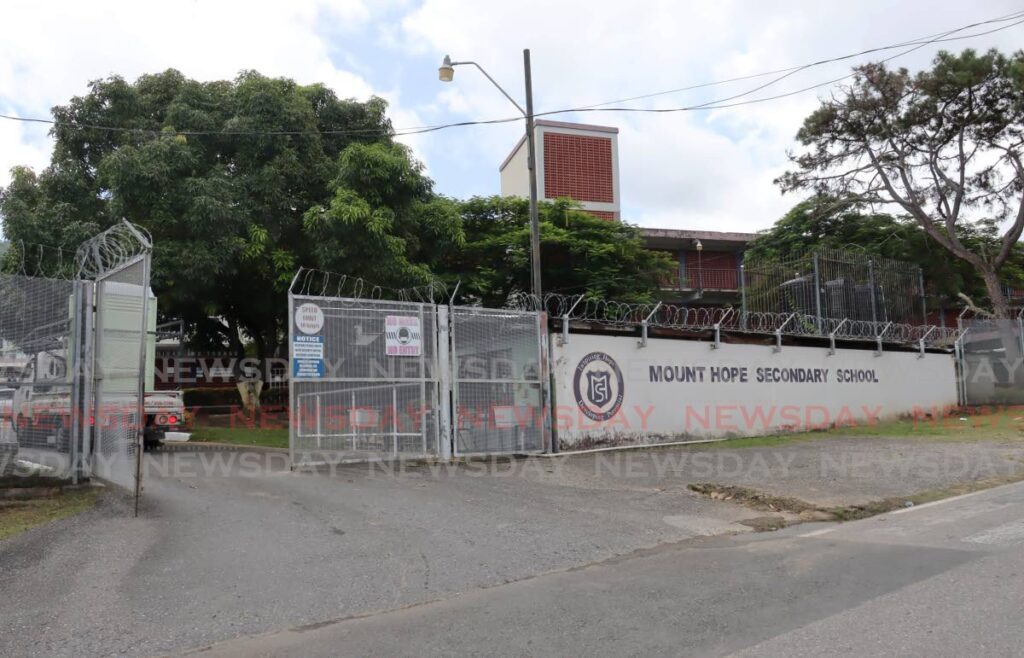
(1005, 424)
(18, 516)
(243, 436)
(983, 424)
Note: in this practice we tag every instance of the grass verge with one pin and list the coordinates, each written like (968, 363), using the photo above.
(962, 425)
(243, 436)
(18, 516)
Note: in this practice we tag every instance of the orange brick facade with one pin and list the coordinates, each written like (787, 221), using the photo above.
(579, 167)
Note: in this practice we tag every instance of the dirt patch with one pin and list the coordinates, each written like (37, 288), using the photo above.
(752, 498)
(766, 523)
(808, 512)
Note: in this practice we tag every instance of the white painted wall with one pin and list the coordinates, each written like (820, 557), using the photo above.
(515, 177)
(715, 402)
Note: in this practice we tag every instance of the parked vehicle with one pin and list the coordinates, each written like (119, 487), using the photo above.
(42, 401)
(42, 394)
(6, 404)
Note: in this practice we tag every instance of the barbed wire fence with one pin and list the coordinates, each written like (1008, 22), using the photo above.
(830, 294)
(827, 293)
(20, 258)
(311, 282)
(583, 310)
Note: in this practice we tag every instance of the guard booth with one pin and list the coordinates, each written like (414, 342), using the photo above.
(375, 379)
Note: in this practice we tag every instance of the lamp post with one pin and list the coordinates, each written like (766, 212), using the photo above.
(700, 266)
(446, 73)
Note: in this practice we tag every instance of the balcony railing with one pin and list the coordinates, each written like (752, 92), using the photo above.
(709, 279)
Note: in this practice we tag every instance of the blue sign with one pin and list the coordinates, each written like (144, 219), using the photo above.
(307, 368)
(308, 357)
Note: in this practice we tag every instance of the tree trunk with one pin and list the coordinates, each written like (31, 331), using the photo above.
(1000, 307)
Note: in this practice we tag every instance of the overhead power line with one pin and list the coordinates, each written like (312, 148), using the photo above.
(721, 103)
(936, 37)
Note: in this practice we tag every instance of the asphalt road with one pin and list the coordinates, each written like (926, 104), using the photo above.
(944, 579)
(232, 544)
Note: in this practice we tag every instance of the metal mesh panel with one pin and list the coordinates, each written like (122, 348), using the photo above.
(992, 371)
(867, 291)
(36, 370)
(121, 299)
(364, 383)
(497, 385)
(496, 418)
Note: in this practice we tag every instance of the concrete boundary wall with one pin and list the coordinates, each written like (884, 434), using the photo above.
(608, 390)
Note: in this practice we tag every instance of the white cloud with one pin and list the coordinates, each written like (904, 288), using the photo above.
(49, 51)
(22, 144)
(702, 170)
(710, 170)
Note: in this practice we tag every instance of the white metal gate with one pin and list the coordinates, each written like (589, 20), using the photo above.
(375, 379)
(364, 382)
(73, 354)
(499, 382)
(122, 298)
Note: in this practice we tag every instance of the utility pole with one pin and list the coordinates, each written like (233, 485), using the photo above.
(446, 73)
(532, 164)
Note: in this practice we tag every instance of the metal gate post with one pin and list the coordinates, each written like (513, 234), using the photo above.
(545, 385)
(817, 295)
(88, 370)
(141, 406)
(1020, 331)
(445, 398)
(924, 299)
(294, 415)
(75, 341)
(871, 282)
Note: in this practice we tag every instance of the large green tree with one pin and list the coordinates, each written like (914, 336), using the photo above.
(580, 253)
(943, 147)
(383, 220)
(224, 175)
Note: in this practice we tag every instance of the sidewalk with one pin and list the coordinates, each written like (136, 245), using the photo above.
(822, 470)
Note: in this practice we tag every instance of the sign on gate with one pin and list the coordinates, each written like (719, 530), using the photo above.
(309, 319)
(403, 336)
(308, 356)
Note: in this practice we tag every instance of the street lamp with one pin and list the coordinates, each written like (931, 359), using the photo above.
(445, 73)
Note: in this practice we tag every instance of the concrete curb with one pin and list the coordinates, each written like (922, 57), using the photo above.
(210, 446)
(638, 446)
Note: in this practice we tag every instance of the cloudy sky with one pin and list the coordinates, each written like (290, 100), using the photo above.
(708, 170)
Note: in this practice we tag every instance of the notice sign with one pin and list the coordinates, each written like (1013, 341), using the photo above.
(308, 357)
(402, 336)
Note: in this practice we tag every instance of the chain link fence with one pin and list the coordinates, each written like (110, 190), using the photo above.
(837, 285)
(72, 358)
(498, 392)
(37, 353)
(840, 295)
(991, 358)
